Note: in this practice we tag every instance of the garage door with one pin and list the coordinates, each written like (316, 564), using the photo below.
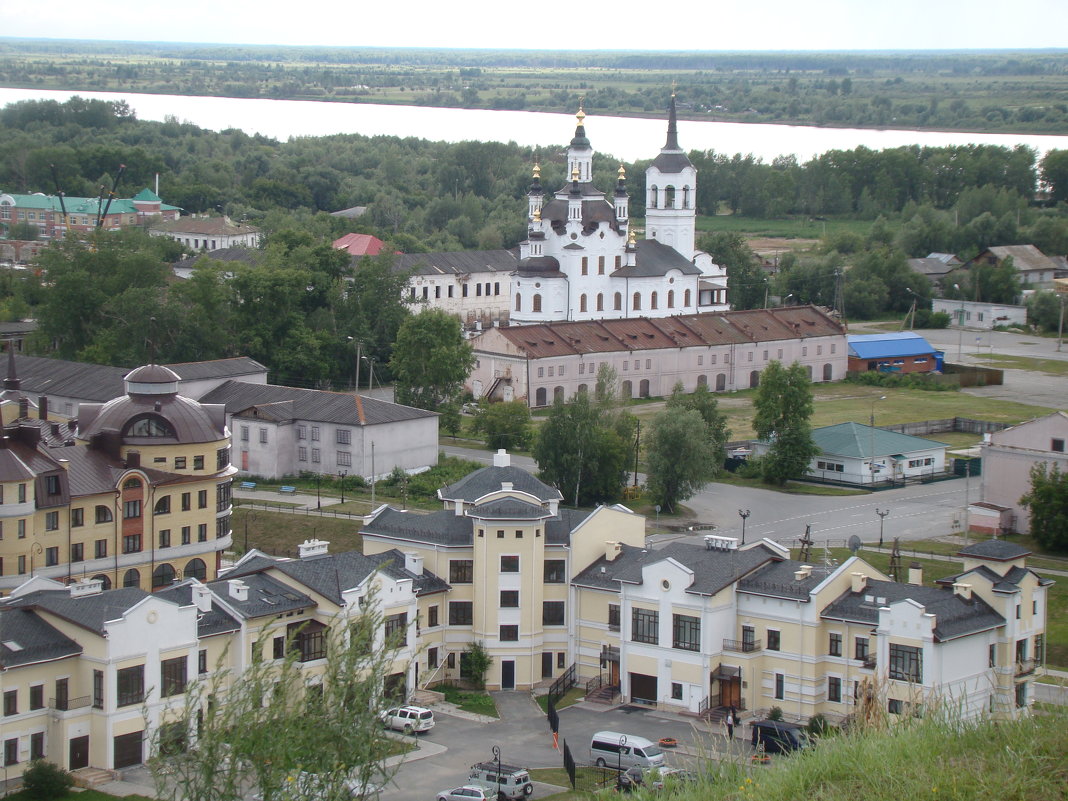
(128, 749)
(643, 688)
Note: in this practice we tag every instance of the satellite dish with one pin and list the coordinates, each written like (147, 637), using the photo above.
(855, 543)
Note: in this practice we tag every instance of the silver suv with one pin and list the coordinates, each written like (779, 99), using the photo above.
(510, 782)
(408, 719)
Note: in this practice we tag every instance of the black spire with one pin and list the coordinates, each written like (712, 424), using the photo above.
(673, 131)
(621, 183)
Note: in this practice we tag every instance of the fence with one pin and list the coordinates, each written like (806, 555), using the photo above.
(966, 425)
(563, 683)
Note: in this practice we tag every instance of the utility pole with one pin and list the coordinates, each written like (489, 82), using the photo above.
(1060, 325)
(637, 441)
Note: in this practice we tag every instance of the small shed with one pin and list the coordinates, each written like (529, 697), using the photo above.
(897, 352)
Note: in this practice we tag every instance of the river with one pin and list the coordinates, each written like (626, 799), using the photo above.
(626, 138)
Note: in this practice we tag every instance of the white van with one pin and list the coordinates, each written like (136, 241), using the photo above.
(612, 749)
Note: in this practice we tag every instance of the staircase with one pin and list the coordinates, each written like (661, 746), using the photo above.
(605, 694)
(89, 778)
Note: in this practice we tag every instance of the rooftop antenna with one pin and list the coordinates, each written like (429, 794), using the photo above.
(806, 545)
(895, 561)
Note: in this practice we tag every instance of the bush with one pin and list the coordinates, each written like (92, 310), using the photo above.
(925, 318)
(46, 781)
(817, 725)
(775, 713)
(753, 467)
(924, 381)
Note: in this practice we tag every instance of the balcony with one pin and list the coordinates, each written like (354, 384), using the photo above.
(1025, 667)
(743, 646)
(67, 704)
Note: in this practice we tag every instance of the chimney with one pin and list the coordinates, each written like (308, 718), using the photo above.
(133, 459)
(54, 428)
(502, 459)
(506, 486)
(858, 581)
(42, 407)
(84, 587)
(313, 548)
(413, 563)
(802, 572)
(238, 589)
(963, 590)
(916, 574)
(201, 597)
(612, 549)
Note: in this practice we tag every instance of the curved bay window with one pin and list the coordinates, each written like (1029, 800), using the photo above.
(149, 425)
(309, 638)
(162, 576)
(195, 568)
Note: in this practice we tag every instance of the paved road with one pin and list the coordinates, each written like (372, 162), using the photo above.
(917, 512)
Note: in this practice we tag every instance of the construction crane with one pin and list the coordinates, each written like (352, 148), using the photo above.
(101, 213)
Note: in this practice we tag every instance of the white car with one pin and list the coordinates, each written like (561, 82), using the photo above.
(408, 719)
(469, 792)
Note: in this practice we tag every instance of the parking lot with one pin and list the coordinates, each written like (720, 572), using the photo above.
(523, 736)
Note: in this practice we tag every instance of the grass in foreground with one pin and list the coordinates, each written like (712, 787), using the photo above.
(477, 701)
(572, 696)
(1047, 366)
(790, 487)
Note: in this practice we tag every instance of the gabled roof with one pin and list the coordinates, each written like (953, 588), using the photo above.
(266, 594)
(465, 262)
(777, 580)
(359, 244)
(653, 259)
(1008, 584)
(25, 639)
(884, 346)
(509, 509)
(205, 226)
(929, 266)
(240, 254)
(490, 479)
(857, 441)
(994, 550)
(452, 530)
(1024, 257)
(954, 616)
(215, 621)
(89, 611)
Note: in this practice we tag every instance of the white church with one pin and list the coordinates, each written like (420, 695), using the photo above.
(582, 260)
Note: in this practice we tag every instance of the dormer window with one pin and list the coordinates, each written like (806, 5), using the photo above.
(149, 426)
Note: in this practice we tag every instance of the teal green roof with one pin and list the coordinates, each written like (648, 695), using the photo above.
(87, 205)
(147, 195)
(35, 201)
(854, 440)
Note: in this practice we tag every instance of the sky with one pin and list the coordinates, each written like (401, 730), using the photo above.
(632, 24)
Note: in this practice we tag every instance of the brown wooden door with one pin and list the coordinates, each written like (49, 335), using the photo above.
(731, 692)
(128, 750)
(613, 668)
(79, 753)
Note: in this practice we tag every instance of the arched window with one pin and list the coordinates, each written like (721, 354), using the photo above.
(686, 299)
(808, 369)
(163, 506)
(131, 578)
(583, 389)
(637, 300)
(558, 394)
(828, 372)
(643, 388)
(652, 301)
(148, 426)
(653, 193)
(536, 303)
(671, 298)
(721, 382)
(754, 379)
(627, 390)
(105, 581)
(162, 576)
(103, 514)
(702, 380)
(600, 302)
(669, 197)
(585, 265)
(619, 301)
(582, 303)
(518, 302)
(686, 197)
(540, 396)
(132, 483)
(195, 568)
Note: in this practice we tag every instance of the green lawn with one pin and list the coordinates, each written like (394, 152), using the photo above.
(572, 696)
(1047, 366)
(476, 701)
(791, 487)
(796, 227)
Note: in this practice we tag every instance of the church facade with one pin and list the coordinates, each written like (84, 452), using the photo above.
(582, 259)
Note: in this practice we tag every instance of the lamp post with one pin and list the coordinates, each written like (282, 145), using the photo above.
(371, 364)
(882, 516)
(871, 438)
(960, 323)
(341, 474)
(496, 751)
(1060, 325)
(318, 499)
(787, 298)
(745, 516)
(359, 346)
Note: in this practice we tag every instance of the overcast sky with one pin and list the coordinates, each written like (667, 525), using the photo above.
(622, 24)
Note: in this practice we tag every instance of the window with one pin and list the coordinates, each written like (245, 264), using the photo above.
(179, 463)
(77, 517)
(202, 662)
(460, 613)
(344, 436)
(22, 565)
(774, 640)
(894, 706)
(906, 663)
(100, 549)
(172, 676)
(198, 462)
(98, 689)
(344, 459)
(552, 613)
(21, 529)
(834, 689)
(186, 535)
(131, 510)
(11, 702)
(432, 653)
(244, 433)
(165, 538)
(860, 649)
(613, 617)
(1057, 445)
(585, 265)
(103, 514)
(686, 632)
(396, 626)
(780, 686)
(1040, 648)
(676, 691)
(202, 531)
(461, 571)
(509, 599)
(316, 458)
(131, 543)
(645, 624)
(509, 564)
(637, 301)
(51, 556)
(52, 485)
(509, 633)
(163, 506)
(308, 638)
(131, 578)
(130, 685)
(162, 576)
(432, 617)
(302, 432)
(37, 696)
(202, 499)
(11, 751)
(617, 301)
(600, 265)
(222, 458)
(834, 647)
(535, 304)
(37, 745)
(302, 454)
(51, 521)
(554, 571)
(263, 436)
(992, 655)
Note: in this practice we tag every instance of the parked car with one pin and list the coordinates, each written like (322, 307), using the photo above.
(469, 792)
(408, 719)
(779, 736)
(621, 751)
(509, 782)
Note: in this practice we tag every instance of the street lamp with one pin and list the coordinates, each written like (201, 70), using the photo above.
(787, 298)
(960, 323)
(882, 516)
(1060, 326)
(745, 516)
(871, 438)
(318, 499)
(341, 474)
(371, 364)
(359, 346)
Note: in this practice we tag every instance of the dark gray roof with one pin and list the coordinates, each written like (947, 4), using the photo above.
(994, 550)
(655, 258)
(236, 254)
(509, 509)
(542, 266)
(1009, 583)
(214, 621)
(266, 594)
(217, 368)
(448, 528)
(558, 529)
(25, 639)
(713, 569)
(331, 574)
(954, 616)
(777, 580)
(192, 421)
(929, 266)
(292, 403)
(462, 262)
(595, 209)
(88, 611)
(489, 479)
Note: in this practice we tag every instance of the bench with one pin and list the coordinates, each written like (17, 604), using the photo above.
(247, 485)
(287, 490)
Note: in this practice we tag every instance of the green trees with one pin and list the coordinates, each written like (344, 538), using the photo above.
(748, 285)
(1047, 501)
(1054, 170)
(504, 425)
(430, 360)
(783, 406)
(685, 446)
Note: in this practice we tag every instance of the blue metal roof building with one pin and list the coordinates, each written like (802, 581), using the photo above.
(898, 352)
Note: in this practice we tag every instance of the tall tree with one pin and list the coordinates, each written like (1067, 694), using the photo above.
(783, 407)
(704, 402)
(1047, 501)
(430, 360)
(746, 283)
(679, 461)
(504, 425)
